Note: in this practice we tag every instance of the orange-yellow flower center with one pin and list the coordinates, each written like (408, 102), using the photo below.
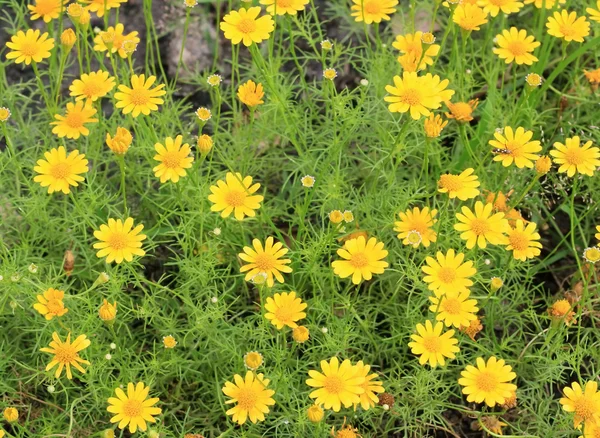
(566, 29)
(480, 226)
(447, 275)
(139, 96)
(171, 160)
(461, 110)
(499, 3)
(91, 89)
(574, 156)
(247, 398)
(29, 48)
(60, 170)
(432, 344)
(74, 119)
(518, 240)
(132, 408)
(452, 183)
(585, 408)
(284, 314)
(235, 198)
(334, 385)
(284, 3)
(451, 306)
(246, 25)
(372, 7)
(486, 381)
(264, 262)
(118, 241)
(44, 7)
(65, 353)
(55, 307)
(359, 260)
(517, 48)
(411, 96)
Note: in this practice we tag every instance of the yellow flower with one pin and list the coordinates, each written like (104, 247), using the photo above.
(372, 387)
(584, 403)
(574, 158)
(594, 14)
(432, 346)
(140, 98)
(121, 142)
(591, 255)
(362, 259)
(307, 181)
(72, 124)
(462, 111)
(515, 45)
(523, 241)
(205, 144)
(417, 220)
(549, 4)
(174, 158)
(112, 40)
(338, 384)
(283, 7)
(496, 283)
(433, 125)
(265, 260)
(562, 310)
(348, 216)
(448, 273)
(11, 415)
(488, 381)
(100, 6)
(251, 94)
(107, 311)
(533, 80)
(462, 186)
(66, 354)
(336, 216)
(92, 86)
(169, 341)
(315, 413)
(50, 304)
(244, 26)
(300, 334)
(284, 310)
(592, 430)
(74, 11)
(455, 308)
(214, 80)
(481, 226)
(469, 17)
(493, 7)
(515, 146)
(4, 114)
(326, 45)
(251, 396)
(543, 165)
(46, 9)
(567, 26)
(118, 241)
(59, 172)
(373, 11)
(30, 46)
(68, 38)
(493, 424)
(412, 45)
(472, 329)
(134, 408)
(235, 195)
(417, 94)
(253, 360)
(203, 114)
(330, 73)
(593, 76)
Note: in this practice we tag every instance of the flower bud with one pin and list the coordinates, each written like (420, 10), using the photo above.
(205, 144)
(120, 143)
(300, 334)
(543, 165)
(68, 38)
(315, 413)
(107, 311)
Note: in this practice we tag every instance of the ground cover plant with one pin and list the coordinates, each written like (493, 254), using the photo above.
(297, 218)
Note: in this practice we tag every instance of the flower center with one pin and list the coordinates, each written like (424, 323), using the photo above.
(91, 89)
(29, 48)
(139, 96)
(499, 3)
(567, 30)
(65, 353)
(517, 48)
(171, 160)
(432, 344)
(247, 398)
(264, 262)
(451, 182)
(585, 408)
(480, 226)
(461, 110)
(574, 156)
(60, 170)
(411, 96)
(447, 275)
(118, 241)
(284, 314)
(55, 307)
(246, 25)
(372, 8)
(451, 306)
(45, 7)
(334, 385)
(284, 3)
(74, 120)
(518, 241)
(486, 381)
(235, 198)
(132, 408)
(359, 260)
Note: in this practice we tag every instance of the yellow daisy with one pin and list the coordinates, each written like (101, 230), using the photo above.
(372, 387)
(574, 158)
(434, 125)
(515, 146)
(432, 346)
(417, 220)
(133, 408)
(417, 94)
(462, 186)
(592, 430)
(120, 143)
(594, 13)
(282, 7)
(285, 309)
(593, 77)
(92, 86)
(101, 6)
(373, 11)
(362, 259)
(59, 172)
(141, 97)
(488, 381)
(583, 402)
(244, 26)
(265, 261)
(47, 9)
(119, 240)
(462, 111)
(481, 226)
(51, 304)
(455, 308)
(72, 124)
(30, 46)
(337, 384)
(251, 94)
(523, 241)
(174, 158)
(447, 273)
(251, 397)
(469, 17)
(66, 354)
(493, 7)
(113, 39)
(515, 45)
(235, 195)
(567, 26)
(411, 45)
